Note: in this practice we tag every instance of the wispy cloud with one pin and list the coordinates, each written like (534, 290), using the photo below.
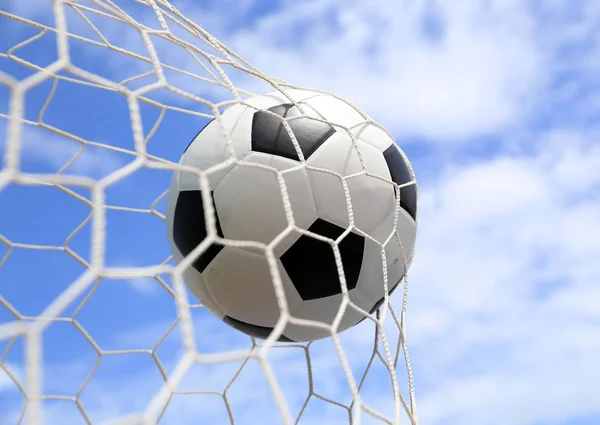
(6, 382)
(503, 246)
(145, 286)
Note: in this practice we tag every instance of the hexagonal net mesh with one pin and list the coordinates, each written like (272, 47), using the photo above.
(98, 100)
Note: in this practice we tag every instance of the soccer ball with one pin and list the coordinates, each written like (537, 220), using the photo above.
(236, 283)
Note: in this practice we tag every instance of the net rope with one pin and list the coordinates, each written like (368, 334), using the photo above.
(211, 58)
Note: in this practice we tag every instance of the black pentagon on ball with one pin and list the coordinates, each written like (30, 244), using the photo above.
(310, 263)
(269, 135)
(189, 227)
(261, 332)
(400, 174)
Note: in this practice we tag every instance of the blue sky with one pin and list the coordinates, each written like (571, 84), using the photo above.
(494, 102)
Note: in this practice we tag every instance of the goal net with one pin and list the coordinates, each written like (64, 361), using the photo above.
(98, 100)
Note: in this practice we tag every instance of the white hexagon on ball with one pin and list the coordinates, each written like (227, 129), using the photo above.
(236, 283)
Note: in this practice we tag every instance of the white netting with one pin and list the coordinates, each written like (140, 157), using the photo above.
(98, 100)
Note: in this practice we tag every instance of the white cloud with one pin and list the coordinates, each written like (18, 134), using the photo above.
(34, 9)
(478, 78)
(145, 285)
(507, 264)
(6, 381)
